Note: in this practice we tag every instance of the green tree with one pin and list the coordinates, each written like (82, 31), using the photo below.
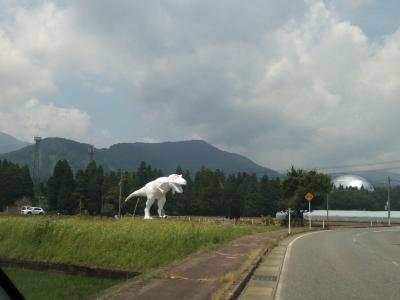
(249, 193)
(94, 178)
(60, 188)
(15, 182)
(110, 190)
(298, 183)
(208, 192)
(26, 183)
(80, 191)
(354, 199)
(234, 205)
(88, 191)
(271, 192)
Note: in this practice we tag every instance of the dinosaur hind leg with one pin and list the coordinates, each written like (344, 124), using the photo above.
(149, 203)
(160, 205)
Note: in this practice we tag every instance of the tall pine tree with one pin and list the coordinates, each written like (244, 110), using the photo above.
(60, 187)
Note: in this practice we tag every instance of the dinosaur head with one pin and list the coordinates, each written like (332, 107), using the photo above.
(177, 179)
(175, 182)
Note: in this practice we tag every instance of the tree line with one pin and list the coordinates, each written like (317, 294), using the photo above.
(15, 182)
(208, 192)
(299, 182)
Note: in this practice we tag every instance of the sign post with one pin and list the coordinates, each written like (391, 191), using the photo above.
(327, 210)
(289, 220)
(309, 197)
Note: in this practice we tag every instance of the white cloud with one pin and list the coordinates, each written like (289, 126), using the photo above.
(305, 94)
(336, 87)
(26, 77)
(32, 117)
(288, 82)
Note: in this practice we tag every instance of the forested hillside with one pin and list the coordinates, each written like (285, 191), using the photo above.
(190, 155)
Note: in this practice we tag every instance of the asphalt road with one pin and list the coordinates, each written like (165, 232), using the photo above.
(342, 264)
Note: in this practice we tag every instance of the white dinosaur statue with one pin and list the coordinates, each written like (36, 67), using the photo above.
(156, 190)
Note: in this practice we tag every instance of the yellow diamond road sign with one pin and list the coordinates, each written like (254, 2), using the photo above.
(309, 196)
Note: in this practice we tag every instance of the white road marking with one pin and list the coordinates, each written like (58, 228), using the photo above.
(285, 264)
(362, 233)
(395, 263)
(386, 230)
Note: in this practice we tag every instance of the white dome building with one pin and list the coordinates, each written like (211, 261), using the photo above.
(354, 181)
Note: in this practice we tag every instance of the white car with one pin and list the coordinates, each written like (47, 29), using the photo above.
(29, 210)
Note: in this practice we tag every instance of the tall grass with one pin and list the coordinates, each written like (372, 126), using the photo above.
(132, 244)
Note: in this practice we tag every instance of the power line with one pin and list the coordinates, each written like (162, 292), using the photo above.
(375, 166)
(363, 170)
(361, 165)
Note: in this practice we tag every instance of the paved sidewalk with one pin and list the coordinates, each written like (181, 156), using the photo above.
(200, 276)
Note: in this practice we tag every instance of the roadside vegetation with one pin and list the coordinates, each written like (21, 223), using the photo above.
(131, 244)
(38, 285)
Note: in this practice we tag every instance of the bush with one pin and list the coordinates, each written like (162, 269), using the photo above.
(108, 210)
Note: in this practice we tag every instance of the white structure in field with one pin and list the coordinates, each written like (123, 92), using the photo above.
(354, 181)
(362, 216)
(156, 190)
(354, 216)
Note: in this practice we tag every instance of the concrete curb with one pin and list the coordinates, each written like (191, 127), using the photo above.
(239, 287)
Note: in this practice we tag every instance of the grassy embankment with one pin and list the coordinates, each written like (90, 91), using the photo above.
(131, 244)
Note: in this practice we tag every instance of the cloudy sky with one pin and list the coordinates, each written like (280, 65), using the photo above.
(309, 83)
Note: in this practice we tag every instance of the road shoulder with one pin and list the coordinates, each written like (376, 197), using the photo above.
(265, 278)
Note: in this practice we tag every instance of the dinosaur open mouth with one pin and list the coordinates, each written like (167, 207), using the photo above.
(177, 188)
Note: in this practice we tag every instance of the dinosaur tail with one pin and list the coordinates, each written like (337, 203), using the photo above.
(139, 193)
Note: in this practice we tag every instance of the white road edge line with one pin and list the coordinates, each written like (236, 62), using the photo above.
(386, 230)
(285, 263)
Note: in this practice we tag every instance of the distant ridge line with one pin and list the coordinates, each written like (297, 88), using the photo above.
(190, 155)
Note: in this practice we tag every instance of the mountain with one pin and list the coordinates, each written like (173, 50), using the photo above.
(190, 155)
(9, 143)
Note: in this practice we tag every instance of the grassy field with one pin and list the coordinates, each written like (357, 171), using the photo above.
(131, 244)
(49, 285)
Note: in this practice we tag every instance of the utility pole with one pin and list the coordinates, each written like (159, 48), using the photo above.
(309, 215)
(91, 152)
(120, 194)
(36, 171)
(388, 201)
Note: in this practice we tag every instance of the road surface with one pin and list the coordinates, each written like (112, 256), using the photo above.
(342, 264)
